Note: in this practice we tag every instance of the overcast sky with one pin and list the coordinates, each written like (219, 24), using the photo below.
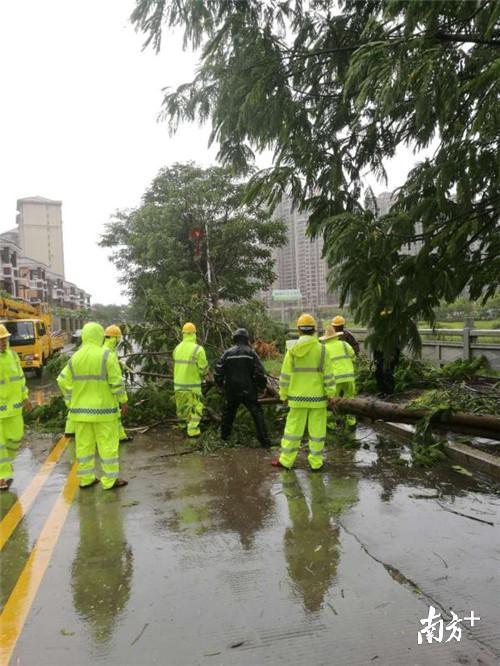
(78, 121)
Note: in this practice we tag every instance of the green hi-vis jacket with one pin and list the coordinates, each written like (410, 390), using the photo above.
(110, 343)
(190, 364)
(92, 381)
(306, 378)
(13, 389)
(341, 354)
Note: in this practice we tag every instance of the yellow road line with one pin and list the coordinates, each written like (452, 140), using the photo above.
(18, 605)
(17, 511)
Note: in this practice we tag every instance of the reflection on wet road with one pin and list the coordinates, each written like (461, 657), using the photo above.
(221, 559)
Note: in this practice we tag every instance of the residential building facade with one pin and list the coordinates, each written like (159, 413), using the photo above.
(41, 231)
(299, 263)
(32, 257)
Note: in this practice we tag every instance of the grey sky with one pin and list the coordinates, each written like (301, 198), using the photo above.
(78, 121)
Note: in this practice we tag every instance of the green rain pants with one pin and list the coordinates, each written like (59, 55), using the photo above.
(69, 428)
(104, 436)
(296, 422)
(343, 390)
(190, 409)
(121, 430)
(11, 434)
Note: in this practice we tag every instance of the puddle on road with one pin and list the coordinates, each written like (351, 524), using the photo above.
(201, 553)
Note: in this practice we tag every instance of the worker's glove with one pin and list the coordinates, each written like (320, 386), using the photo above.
(27, 405)
(124, 409)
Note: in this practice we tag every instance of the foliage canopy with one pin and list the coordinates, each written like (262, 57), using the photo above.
(334, 89)
(194, 251)
(193, 238)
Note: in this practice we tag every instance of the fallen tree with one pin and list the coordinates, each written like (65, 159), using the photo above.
(484, 425)
(470, 424)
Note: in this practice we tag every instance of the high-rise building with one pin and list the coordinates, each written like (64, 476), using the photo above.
(40, 231)
(384, 202)
(299, 263)
(32, 258)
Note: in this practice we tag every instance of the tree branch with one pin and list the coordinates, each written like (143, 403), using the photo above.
(466, 39)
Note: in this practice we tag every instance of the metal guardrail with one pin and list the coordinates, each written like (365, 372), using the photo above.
(470, 344)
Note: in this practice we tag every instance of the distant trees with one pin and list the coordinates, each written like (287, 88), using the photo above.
(194, 250)
(109, 314)
(193, 237)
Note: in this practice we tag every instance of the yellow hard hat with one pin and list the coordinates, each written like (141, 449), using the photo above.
(306, 321)
(189, 328)
(113, 331)
(338, 321)
(4, 333)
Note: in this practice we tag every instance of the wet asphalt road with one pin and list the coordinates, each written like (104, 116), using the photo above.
(221, 559)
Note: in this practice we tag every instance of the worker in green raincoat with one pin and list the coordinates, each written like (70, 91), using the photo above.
(190, 365)
(13, 397)
(306, 383)
(92, 387)
(112, 337)
(341, 355)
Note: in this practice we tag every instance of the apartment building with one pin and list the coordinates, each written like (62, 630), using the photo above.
(40, 228)
(384, 203)
(23, 271)
(299, 263)
(9, 256)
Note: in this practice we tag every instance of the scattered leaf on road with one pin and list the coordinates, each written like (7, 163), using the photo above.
(461, 470)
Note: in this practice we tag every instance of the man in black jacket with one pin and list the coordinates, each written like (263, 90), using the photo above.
(241, 375)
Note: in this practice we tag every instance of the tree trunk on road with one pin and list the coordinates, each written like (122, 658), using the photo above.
(459, 422)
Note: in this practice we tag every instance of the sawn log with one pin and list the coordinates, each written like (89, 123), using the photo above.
(460, 422)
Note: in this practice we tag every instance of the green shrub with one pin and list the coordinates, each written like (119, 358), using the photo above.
(50, 417)
(55, 364)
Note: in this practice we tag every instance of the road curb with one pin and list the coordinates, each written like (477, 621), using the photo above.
(457, 451)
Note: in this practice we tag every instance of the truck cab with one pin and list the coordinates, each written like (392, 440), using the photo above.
(31, 340)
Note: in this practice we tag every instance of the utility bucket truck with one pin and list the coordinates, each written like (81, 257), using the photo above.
(31, 334)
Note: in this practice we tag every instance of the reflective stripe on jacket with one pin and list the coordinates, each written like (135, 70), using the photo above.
(13, 389)
(306, 378)
(240, 371)
(190, 364)
(341, 354)
(92, 382)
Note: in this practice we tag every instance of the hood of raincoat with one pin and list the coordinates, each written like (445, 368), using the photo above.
(189, 337)
(303, 345)
(111, 343)
(93, 334)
